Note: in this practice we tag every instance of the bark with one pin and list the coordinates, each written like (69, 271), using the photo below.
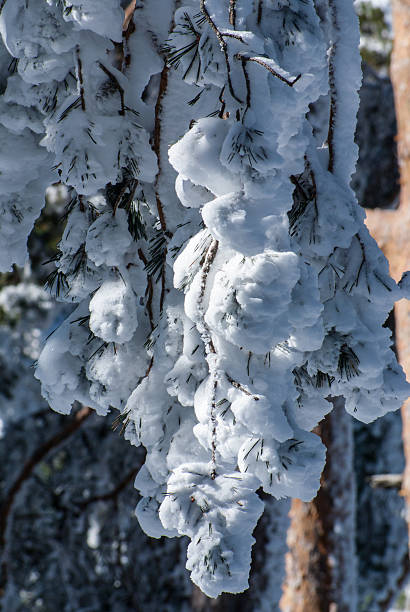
(400, 72)
(320, 565)
(391, 228)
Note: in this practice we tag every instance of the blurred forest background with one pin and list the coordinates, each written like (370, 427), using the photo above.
(69, 537)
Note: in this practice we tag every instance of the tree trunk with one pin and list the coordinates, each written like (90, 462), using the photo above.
(320, 565)
(400, 74)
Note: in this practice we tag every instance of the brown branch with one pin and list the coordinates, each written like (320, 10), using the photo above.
(114, 79)
(260, 7)
(237, 385)
(209, 345)
(157, 149)
(149, 291)
(232, 13)
(386, 481)
(119, 198)
(111, 495)
(223, 46)
(163, 84)
(128, 15)
(209, 259)
(248, 85)
(257, 60)
(332, 114)
(80, 78)
(32, 463)
(214, 426)
(332, 88)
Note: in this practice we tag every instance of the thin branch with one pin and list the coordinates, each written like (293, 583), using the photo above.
(332, 113)
(223, 104)
(149, 291)
(237, 385)
(259, 61)
(80, 78)
(111, 495)
(232, 13)
(248, 86)
(157, 149)
(113, 78)
(119, 198)
(214, 426)
(332, 89)
(223, 46)
(128, 15)
(209, 346)
(38, 455)
(386, 481)
(208, 261)
(260, 7)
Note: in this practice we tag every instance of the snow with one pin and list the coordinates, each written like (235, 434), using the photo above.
(223, 280)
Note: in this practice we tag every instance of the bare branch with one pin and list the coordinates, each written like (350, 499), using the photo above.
(386, 481)
(111, 495)
(38, 455)
(259, 61)
(224, 48)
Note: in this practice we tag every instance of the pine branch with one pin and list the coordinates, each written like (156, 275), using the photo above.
(223, 46)
(259, 61)
(80, 79)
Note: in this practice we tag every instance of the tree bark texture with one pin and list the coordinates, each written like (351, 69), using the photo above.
(320, 564)
(391, 228)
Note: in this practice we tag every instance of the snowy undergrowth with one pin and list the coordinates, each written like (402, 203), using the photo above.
(220, 298)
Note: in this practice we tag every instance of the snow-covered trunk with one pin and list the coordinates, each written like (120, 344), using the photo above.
(321, 568)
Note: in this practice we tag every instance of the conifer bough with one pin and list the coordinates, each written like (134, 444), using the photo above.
(223, 282)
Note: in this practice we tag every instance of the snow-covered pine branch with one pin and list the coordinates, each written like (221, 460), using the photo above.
(219, 300)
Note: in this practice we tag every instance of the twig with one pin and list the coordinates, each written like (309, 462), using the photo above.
(209, 346)
(223, 48)
(119, 198)
(157, 149)
(259, 61)
(232, 13)
(248, 86)
(332, 113)
(111, 495)
(386, 481)
(80, 79)
(238, 385)
(128, 15)
(149, 291)
(214, 426)
(259, 17)
(209, 259)
(332, 88)
(117, 85)
(33, 461)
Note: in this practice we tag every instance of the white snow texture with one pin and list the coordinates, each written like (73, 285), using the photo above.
(223, 293)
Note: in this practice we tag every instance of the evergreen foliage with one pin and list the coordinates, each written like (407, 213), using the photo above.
(219, 298)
